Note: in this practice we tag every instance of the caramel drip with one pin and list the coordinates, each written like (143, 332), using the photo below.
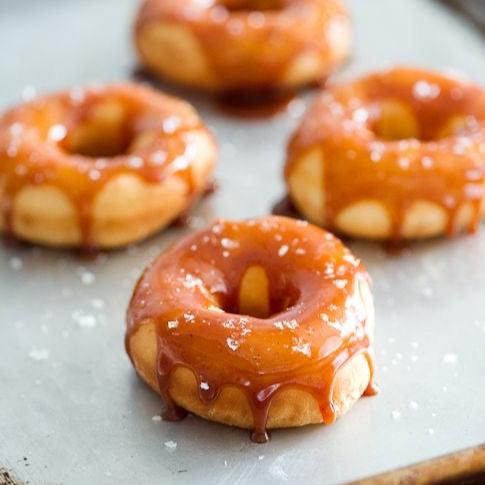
(189, 293)
(150, 134)
(436, 162)
(249, 47)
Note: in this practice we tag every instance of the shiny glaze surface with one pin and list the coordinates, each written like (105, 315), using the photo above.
(250, 44)
(317, 322)
(438, 164)
(141, 132)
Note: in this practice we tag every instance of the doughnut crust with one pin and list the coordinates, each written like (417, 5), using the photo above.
(298, 399)
(398, 154)
(100, 167)
(234, 45)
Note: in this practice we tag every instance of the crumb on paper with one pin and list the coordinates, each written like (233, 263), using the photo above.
(39, 354)
(170, 446)
(450, 358)
(396, 414)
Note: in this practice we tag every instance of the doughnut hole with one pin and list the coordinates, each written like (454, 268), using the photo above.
(104, 134)
(365, 218)
(306, 184)
(453, 126)
(254, 293)
(175, 52)
(396, 121)
(253, 5)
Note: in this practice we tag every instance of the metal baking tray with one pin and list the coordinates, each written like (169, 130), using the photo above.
(71, 408)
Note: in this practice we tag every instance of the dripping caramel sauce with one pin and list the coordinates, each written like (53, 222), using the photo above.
(349, 179)
(184, 347)
(46, 162)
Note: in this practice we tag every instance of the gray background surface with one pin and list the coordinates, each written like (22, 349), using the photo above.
(72, 410)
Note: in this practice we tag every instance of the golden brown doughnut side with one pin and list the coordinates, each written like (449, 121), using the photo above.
(306, 358)
(398, 154)
(100, 167)
(246, 45)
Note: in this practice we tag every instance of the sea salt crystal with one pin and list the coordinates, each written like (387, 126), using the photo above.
(172, 324)
(94, 174)
(16, 129)
(404, 163)
(396, 414)
(283, 250)
(300, 251)
(427, 162)
(15, 263)
(229, 243)
(158, 157)
(170, 446)
(425, 90)
(97, 303)
(135, 162)
(360, 115)
(414, 405)
(340, 283)
(86, 321)
(171, 124)
(157, 418)
(39, 354)
(57, 132)
(204, 386)
(427, 291)
(87, 278)
(232, 344)
(302, 348)
(450, 358)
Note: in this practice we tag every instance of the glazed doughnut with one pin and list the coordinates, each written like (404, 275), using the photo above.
(259, 324)
(398, 154)
(100, 167)
(234, 45)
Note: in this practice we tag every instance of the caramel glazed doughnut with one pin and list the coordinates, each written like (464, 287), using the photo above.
(398, 154)
(266, 323)
(100, 167)
(240, 45)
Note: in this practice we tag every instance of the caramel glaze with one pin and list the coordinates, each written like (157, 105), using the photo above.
(151, 139)
(359, 164)
(317, 324)
(250, 44)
